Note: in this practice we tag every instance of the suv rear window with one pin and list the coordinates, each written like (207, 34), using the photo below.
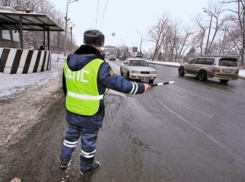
(228, 62)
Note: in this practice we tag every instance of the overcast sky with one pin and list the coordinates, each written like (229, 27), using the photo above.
(126, 17)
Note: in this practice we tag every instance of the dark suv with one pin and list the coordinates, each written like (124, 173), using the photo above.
(223, 68)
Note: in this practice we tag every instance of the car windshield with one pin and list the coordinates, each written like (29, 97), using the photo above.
(137, 63)
(231, 62)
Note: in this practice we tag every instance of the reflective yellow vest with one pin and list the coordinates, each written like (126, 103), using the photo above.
(82, 90)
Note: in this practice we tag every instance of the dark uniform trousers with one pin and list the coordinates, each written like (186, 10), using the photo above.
(86, 127)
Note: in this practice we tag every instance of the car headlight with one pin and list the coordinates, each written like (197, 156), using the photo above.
(153, 72)
(135, 71)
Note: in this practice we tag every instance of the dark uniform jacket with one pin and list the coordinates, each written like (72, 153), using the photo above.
(106, 79)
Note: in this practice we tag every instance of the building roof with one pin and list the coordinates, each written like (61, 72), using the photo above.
(30, 22)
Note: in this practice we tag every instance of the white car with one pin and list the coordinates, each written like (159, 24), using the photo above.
(137, 69)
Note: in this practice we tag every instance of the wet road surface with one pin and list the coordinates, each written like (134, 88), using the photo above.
(187, 131)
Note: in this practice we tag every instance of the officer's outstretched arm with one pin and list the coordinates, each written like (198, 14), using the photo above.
(116, 82)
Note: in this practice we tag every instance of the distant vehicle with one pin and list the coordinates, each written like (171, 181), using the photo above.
(112, 58)
(139, 55)
(224, 68)
(137, 69)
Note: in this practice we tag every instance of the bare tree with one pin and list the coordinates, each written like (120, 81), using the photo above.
(171, 37)
(215, 11)
(184, 44)
(6, 3)
(201, 29)
(238, 18)
(158, 33)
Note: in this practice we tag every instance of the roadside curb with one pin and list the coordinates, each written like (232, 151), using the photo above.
(152, 62)
(163, 64)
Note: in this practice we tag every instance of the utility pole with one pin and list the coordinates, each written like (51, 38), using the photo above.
(205, 10)
(140, 43)
(58, 37)
(222, 51)
(140, 39)
(71, 35)
(206, 49)
(66, 20)
(243, 57)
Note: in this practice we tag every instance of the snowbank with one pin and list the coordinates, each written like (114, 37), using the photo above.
(12, 83)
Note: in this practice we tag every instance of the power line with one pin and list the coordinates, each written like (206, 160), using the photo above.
(104, 14)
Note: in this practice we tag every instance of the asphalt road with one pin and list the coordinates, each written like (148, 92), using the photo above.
(196, 127)
(189, 131)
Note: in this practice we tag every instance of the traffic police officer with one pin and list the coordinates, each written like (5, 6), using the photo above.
(86, 80)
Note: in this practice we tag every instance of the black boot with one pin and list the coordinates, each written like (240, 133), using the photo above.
(96, 167)
(65, 166)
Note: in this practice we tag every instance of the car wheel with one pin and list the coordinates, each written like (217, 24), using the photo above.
(181, 71)
(128, 75)
(202, 75)
(151, 81)
(223, 81)
(121, 72)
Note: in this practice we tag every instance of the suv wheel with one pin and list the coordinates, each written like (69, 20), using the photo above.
(223, 81)
(202, 75)
(181, 71)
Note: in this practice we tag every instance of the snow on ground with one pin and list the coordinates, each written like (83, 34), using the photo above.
(242, 73)
(17, 82)
(24, 98)
(12, 83)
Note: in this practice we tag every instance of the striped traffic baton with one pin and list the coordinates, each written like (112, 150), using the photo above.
(163, 83)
